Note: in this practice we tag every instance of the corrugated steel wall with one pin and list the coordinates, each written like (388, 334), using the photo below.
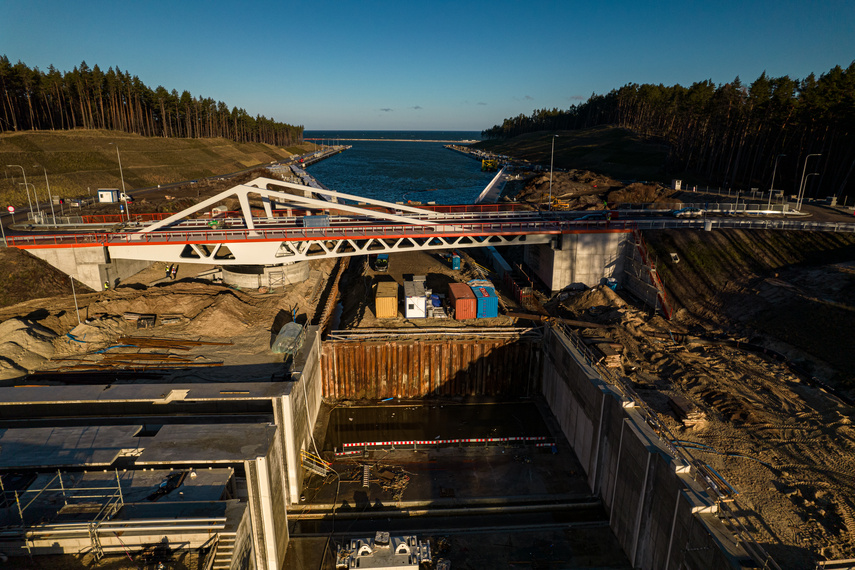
(418, 368)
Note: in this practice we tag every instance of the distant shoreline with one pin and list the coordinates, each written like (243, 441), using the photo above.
(393, 140)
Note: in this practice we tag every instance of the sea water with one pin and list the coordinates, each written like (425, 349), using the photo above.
(400, 166)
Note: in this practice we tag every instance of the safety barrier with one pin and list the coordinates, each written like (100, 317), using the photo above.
(348, 448)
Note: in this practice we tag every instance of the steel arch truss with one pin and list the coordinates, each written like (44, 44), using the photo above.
(304, 198)
(284, 252)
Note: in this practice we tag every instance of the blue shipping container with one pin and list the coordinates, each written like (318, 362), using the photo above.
(488, 302)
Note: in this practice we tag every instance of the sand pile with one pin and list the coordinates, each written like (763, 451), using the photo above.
(24, 346)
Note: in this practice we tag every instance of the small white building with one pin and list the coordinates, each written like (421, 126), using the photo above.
(415, 303)
(109, 195)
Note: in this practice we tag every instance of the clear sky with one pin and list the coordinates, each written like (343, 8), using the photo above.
(421, 65)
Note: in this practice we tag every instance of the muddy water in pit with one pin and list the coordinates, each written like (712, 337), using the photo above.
(396, 421)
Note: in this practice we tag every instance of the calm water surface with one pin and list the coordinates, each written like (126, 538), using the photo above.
(408, 168)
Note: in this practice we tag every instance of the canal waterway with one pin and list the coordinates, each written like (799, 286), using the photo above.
(399, 166)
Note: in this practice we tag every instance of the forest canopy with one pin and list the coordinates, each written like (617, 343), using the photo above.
(92, 99)
(730, 134)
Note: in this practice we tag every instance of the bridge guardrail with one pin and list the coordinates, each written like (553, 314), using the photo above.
(393, 231)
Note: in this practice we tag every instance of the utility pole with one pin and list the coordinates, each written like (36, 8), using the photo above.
(551, 161)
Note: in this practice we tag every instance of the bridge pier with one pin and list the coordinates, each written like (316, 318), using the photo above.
(578, 259)
(255, 276)
(91, 266)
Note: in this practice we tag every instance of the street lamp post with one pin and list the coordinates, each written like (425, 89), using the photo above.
(551, 161)
(800, 196)
(25, 185)
(122, 175)
(47, 184)
(772, 187)
(38, 213)
(807, 179)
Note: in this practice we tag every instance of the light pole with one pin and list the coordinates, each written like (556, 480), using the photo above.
(551, 161)
(52, 211)
(25, 184)
(802, 183)
(772, 187)
(807, 179)
(121, 174)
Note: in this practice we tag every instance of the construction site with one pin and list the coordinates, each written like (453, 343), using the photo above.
(445, 408)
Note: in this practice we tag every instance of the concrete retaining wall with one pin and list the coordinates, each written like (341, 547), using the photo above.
(575, 260)
(297, 411)
(660, 516)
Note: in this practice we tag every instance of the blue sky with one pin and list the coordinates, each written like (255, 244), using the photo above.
(426, 65)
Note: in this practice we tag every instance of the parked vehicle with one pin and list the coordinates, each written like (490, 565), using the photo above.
(690, 212)
(381, 262)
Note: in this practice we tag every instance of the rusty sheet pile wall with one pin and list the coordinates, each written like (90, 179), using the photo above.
(407, 367)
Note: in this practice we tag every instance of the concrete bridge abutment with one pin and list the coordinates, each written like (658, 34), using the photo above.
(91, 266)
(579, 259)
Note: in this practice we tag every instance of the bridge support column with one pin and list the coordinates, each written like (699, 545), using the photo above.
(273, 276)
(578, 259)
(91, 266)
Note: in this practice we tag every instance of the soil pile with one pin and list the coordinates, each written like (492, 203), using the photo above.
(586, 190)
(26, 277)
(24, 346)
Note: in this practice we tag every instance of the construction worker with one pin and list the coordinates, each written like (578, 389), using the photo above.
(106, 285)
(174, 271)
(168, 270)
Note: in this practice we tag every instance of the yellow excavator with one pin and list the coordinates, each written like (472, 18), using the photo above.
(489, 164)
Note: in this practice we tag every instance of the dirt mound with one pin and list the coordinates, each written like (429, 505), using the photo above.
(641, 193)
(25, 277)
(227, 316)
(579, 189)
(24, 346)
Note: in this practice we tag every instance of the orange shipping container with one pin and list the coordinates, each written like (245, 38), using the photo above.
(386, 300)
(463, 300)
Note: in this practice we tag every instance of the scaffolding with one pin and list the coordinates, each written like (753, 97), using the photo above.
(65, 512)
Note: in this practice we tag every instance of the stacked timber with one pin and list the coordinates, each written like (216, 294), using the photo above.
(685, 410)
(611, 357)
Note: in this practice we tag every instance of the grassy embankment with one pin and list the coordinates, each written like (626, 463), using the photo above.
(81, 161)
(616, 152)
(809, 304)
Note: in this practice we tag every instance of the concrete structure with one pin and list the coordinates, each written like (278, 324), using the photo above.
(384, 552)
(663, 510)
(91, 266)
(273, 276)
(226, 454)
(578, 259)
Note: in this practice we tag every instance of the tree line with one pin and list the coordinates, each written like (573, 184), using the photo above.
(730, 134)
(92, 99)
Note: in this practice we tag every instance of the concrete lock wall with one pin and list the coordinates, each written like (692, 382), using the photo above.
(580, 259)
(660, 516)
(273, 276)
(299, 410)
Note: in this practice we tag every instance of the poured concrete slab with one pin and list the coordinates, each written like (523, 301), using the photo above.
(65, 446)
(34, 393)
(223, 443)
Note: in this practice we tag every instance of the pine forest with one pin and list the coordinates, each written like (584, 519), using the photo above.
(732, 134)
(89, 98)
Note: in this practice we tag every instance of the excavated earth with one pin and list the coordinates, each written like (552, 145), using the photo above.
(783, 442)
